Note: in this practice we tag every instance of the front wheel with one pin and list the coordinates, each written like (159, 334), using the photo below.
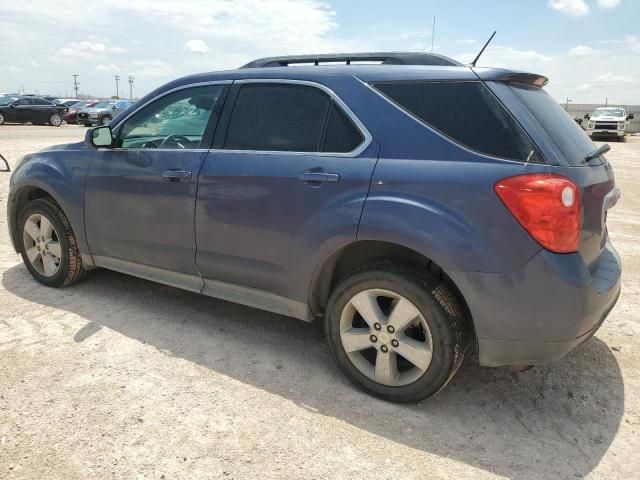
(55, 120)
(48, 245)
(395, 331)
(105, 120)
(1, 119)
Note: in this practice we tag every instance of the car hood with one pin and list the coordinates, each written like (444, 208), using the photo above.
(608, 118)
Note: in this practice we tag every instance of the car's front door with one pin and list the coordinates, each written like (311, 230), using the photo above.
(20, 110)
(140, 195)
(287, 183)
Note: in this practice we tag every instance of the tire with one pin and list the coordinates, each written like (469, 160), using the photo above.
(55, 120)
(622, 139)
(105, 120)
(440, 321)
(1, 119)
(69, 267)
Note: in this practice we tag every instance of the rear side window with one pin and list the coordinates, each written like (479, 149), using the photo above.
(277, 117)
(341, 135)
(467, 113)
(289, 118)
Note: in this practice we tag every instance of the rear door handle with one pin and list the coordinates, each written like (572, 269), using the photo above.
(324, 177)
(176, 175)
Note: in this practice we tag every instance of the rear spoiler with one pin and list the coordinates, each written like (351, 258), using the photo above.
(509, 76)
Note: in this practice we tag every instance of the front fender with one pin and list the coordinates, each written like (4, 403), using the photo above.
(60, 173)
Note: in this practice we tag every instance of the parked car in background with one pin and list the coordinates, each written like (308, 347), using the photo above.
(72, 114)
(31, 109)
(103, 112)
(67, 102)
(422, 209)
(608, 122)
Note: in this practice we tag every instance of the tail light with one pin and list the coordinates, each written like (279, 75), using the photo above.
(547, 206)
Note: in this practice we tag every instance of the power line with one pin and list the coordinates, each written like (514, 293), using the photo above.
(75, 83)
(117, 77)
(131, 87)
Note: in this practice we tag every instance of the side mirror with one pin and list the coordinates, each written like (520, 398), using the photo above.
(631, 116)
(13, 105)
(100, 136)
(587, 116)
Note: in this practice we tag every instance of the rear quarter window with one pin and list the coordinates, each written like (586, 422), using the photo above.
(467, 113)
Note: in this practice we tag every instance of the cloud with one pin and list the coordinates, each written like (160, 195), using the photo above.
(85, 50)
(612, 78)
(608, 3)
(583, 51)
(10, 68)
(632, 42)
(575, 8)
(152, 68)
(196, 46)
(108, 68)
(507, 57)
(585, 87)
(467, 41)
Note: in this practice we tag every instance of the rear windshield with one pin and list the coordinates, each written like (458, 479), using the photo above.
(569, 137)
(467, 113)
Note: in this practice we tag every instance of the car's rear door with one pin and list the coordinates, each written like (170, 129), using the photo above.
(140, 195)
(285, 184)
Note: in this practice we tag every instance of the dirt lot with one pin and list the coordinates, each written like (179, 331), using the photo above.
(118, 377)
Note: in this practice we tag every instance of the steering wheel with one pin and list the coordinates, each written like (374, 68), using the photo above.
(178, 140)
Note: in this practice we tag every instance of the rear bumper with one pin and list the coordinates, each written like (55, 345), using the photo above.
(542, 311)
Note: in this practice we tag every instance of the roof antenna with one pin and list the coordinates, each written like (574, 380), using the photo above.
(475, 60)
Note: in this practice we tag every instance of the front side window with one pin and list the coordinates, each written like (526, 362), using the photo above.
(467, 113)
(289, 118)
(23, 101)
(177, 120)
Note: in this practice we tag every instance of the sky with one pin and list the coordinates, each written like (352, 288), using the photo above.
(589, 49)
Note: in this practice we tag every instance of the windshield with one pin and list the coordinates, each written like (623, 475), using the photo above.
(78, 105)
(608, 112)
(572, 141)
(104, 105)
(6, 100)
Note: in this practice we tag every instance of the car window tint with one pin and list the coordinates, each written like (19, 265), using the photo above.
(177, 120)
(277, 117)
(23, 101)
(467, 113)
(341, 135)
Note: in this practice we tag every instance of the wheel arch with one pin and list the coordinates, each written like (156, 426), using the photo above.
(23, 196)
(364, 252)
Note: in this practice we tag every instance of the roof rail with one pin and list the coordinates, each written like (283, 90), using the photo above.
(385, 58)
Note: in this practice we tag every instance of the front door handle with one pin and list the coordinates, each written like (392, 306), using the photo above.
(319, 177)
(176, 175)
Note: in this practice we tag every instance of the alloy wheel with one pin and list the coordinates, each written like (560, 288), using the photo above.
(55, 120)
(42, 245)
(386, 337)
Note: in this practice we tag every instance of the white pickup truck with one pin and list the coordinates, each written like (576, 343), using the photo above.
(608, 122)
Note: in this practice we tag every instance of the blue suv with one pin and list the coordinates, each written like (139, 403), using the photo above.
(424, 210)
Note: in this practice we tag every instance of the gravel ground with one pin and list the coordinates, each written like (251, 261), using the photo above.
(118, 377)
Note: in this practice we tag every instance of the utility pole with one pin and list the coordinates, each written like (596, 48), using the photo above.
(75, 83)
(433, 32)
(117, 77)
(131, 87)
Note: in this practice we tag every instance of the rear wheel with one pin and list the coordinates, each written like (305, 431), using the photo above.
(1, 119)
(48, 247)
(55, 120)
(395, 331)
(105, 120)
